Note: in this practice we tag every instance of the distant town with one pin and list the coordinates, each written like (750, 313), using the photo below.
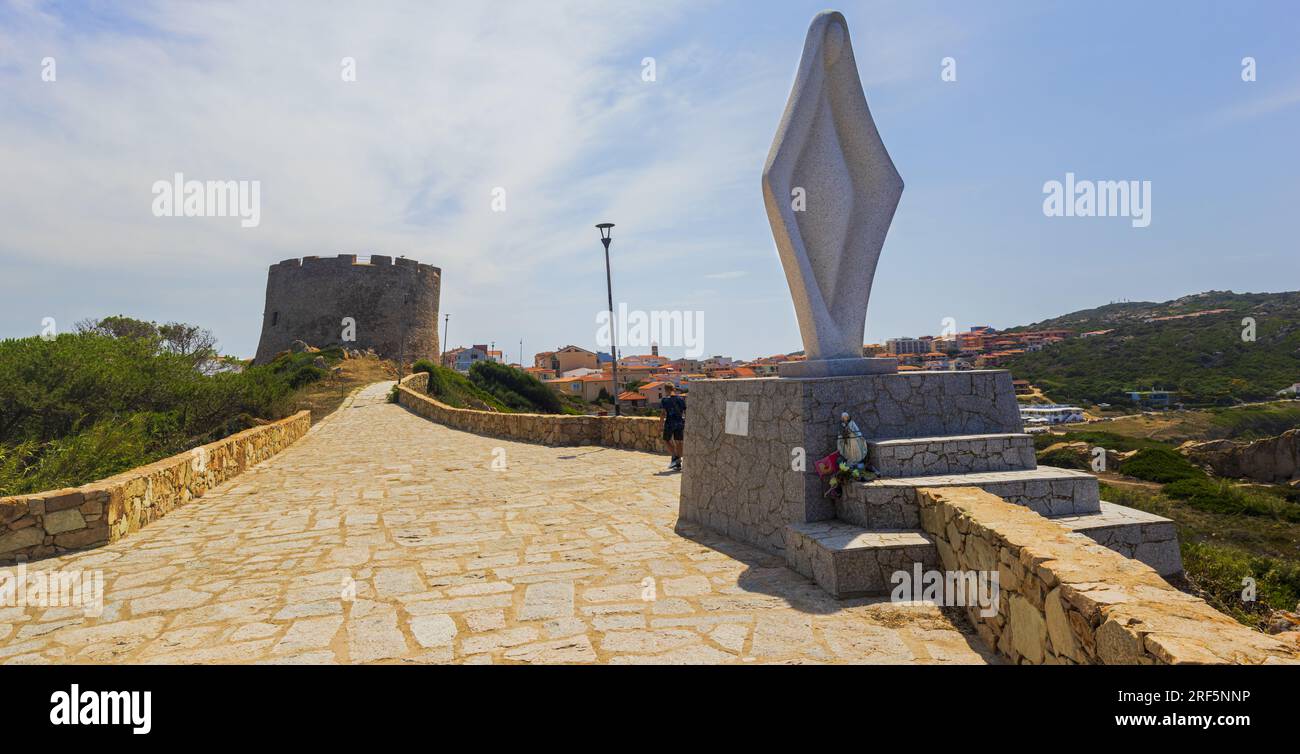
(578, 373)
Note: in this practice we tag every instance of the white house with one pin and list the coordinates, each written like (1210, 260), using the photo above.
(1051, 414)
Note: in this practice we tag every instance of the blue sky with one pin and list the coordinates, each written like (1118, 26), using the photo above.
(547, 101)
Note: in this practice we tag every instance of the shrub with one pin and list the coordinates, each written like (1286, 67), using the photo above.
(455, 389)
(1217, 496)
(1217, 572)
(1161, 465)
(1064, 459)
(1108, 440)
(515, 387)
(91, 404)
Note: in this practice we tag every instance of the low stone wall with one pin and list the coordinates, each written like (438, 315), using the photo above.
(49, 523)
(1067, 600)
(627, 432)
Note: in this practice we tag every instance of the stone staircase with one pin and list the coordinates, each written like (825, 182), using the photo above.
(877, 530)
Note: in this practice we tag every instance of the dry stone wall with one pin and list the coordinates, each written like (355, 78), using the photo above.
(1064, 599)
(49, 523)
(628, 432)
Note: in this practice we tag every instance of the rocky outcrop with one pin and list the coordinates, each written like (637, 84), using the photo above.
(1274, 460)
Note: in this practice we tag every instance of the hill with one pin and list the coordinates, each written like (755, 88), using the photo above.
(1198, 345)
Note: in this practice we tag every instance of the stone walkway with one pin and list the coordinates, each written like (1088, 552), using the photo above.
(382, 537)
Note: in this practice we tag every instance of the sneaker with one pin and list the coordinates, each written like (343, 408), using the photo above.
(677, 465)
(672, 465)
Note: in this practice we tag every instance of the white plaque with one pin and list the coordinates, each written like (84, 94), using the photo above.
(737, 422)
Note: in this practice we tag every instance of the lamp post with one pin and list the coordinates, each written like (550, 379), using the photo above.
(442, 358)
(605, 230)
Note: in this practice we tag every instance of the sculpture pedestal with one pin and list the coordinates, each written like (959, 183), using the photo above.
(837, 367)
(751, 444)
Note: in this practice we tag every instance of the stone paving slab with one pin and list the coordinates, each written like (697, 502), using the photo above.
(381, 537)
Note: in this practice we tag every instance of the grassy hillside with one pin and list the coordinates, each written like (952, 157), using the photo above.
(1221, 549)
(1204, 357)
(1227, 531)
(1250, 422)
(88, 405)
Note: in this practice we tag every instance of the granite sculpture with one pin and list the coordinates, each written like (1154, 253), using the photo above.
(830, 190)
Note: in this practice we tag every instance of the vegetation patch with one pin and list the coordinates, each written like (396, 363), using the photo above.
(1096, 438)
(1221, 550)
(490, 386)
(1064, 459)
(1192, 345)
(121, 393)
(456, 390)
(1162, 465)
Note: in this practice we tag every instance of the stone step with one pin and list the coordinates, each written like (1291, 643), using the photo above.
(890, 502)
(1133, 533)
(958, 454)
(848, 560)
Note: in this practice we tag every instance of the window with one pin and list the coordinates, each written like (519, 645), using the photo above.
(275, 318)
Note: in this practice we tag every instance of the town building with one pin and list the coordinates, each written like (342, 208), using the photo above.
(1051, 414)
(467, 357)
(898, 346)
(1153, 398)
(566, 359)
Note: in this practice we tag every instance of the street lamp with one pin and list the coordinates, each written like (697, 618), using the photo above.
(442, 358)
(605, 229)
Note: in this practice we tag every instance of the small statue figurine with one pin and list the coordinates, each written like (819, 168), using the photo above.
(851, 444)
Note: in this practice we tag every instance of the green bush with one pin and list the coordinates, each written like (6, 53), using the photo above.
(455, 389)
(1064, 459)
(1161, 465)
(1218, 571)
(1108, 440)
(91, 404)
(515, 388)
(1218, 496)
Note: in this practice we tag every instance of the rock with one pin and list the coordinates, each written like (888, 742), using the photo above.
(1059, 627)
(1283, 621)
(319, 362)
(299, 346)
(21, 539)
(1273, 460)
(64, 520)
(1028, 630)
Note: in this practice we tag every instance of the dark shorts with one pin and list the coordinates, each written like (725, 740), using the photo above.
(673, 432)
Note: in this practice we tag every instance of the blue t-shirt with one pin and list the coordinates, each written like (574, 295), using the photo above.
(674, 407)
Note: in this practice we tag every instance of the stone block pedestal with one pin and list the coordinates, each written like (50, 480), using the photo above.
(751, 444)
(750, 472)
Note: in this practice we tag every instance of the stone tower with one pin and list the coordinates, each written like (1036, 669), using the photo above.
(393, 303)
